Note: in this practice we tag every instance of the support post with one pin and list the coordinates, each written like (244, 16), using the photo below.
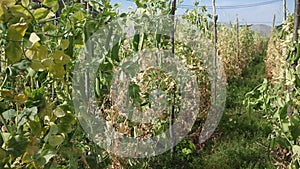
(215, 59)
(172, 113)
(238, 39)
(284, 10)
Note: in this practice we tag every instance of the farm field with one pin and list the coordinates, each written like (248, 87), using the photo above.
(87, 84)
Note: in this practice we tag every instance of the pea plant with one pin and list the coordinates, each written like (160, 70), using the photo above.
(40, 42)
(278, 98)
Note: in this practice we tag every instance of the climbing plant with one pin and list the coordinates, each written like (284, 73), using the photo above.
(278, 97)
(40, 42)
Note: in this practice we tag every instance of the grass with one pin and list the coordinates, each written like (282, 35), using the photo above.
(241, 140)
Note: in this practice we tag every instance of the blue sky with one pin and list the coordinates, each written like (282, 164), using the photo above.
(261, 14)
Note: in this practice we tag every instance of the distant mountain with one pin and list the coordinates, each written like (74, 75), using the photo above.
(261, 28)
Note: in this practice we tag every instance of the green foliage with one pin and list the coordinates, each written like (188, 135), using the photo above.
(41, 41)
(236, 57)
(39, 127)
(201, 18)
(278, 98)
(241, 140)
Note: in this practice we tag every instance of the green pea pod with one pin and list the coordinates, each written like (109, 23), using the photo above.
(296, 59)
(97, 87)
(135, 43)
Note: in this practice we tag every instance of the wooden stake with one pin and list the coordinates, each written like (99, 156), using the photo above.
(296, 21)
(172, 113)
(284, 10)
(214, 86)
(173, 10)
(291, 90)
(215, 24)
(274, 20)
(296, 27)
(238, 39)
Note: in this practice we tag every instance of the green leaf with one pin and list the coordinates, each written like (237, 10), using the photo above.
(25, 3)
(1, 141)
(298, 68)
(42, 52)
(48, 62)
(297, 82)
(285, 127)
(57, 70)
(48, 27)
(31, 112)
(21, 119)
(17, 145)
(115, 52)
(298, 54)
(48, 157)
(5, 136)
(79, 40)
(53, 4)
(66, 123)
(64, 44)
(61, 58)
(7, 115)
(48, 154)
(55, 140)
(136, 42)
(58, 112)
(78, 16)
(295, 128)
(16, 32)
(69, 118)
(37, 52)
(283, 111)
(134, 92)
(35, 127)
(19, 11)
(40, 13)
(8, 3)
(2, 10)
(263, 86)
(13, 52)
(296, 150)
(37, 66)
(2, 154)
(295, 131)
(34, 38)
(53, 129)
(42, 158)
(290, 75)
(130, 68)
(64, 128)
(280, 102)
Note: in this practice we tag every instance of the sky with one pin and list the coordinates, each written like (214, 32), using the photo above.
(262, 14)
